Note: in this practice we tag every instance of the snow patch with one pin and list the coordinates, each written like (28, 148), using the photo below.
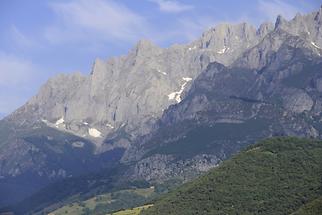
(187, 79)
(78, 144)
(177, 95)
(109, 125)
(172, 95)
(59, 122)
(315, 45)
(163, 73)
(94, 132)
(223, 51)
(192, 48)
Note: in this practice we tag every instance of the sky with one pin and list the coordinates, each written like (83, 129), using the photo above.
(41, 38)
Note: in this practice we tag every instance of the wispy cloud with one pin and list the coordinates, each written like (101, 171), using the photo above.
(2, 115)
(81, 20)
(19, 77)
(10, 101)
(99, 22)
(270, 9)
(20, 39)
(171, 6)
(15, 71)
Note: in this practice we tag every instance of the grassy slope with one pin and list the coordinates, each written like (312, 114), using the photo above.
(276, 176)
(108, 200)
(134, 211)
(312, 208)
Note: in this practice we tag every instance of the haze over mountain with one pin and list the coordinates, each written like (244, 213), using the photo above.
(167, 113)
(2, 115)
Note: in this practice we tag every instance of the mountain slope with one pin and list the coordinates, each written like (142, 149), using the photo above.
(276, 176)
(228, 108)
(34, 157)
(311, 208)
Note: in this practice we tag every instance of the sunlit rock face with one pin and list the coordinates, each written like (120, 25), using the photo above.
(131, 91)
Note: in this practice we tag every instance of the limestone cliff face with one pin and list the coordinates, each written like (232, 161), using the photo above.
(305, 26)
(272, 88)
(123, 97)
(132, 91)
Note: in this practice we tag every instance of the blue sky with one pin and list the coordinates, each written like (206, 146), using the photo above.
(40, 38)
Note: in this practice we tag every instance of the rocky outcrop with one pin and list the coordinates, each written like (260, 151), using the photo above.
(298, 101)
(159, 168)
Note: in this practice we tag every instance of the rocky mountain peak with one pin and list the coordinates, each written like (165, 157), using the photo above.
(318, 16)
(298, 16)
(265, 28)
(144, 44)
(224, 34)
(145, 47)
(97, 65)
(132, 91)
(280, 22)
(228, 41)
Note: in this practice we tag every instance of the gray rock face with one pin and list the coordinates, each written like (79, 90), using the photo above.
(298, 101)
(305, 26)
(319, 85)
(132, 91)
(226, 42)
(159, 168)
(272, 89)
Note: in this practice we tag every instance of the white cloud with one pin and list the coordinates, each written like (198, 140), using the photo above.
(10, 101)
(19, 79)
(19, 38)
(15, 71)
(99, 20)
(172, 6)
(270, 9)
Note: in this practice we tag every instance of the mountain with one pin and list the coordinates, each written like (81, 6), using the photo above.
(275, 176)
(107, 110)
(228, 108)
(132, 91)
(121, 98)
(37, 157)
(168, 113)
